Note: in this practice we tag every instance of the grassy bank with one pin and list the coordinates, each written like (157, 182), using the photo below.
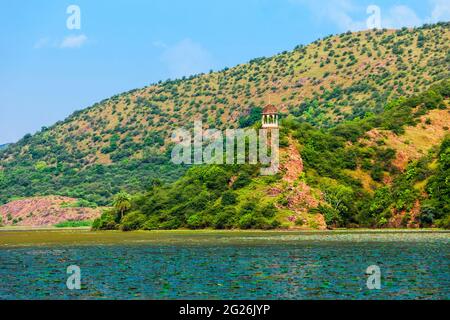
(20, 237)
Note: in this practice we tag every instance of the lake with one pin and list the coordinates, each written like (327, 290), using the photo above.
(224, 265)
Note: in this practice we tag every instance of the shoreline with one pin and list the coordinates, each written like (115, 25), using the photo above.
(44, 228)
(20, 237)
(53, 228)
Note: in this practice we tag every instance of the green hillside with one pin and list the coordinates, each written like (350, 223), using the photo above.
(353, 106)
(346, 180)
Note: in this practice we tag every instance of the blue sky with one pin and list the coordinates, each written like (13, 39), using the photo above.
(47, 71)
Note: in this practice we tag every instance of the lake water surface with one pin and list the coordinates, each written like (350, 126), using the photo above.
(224, 265)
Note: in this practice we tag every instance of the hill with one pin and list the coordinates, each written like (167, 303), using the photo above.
(386, 170)
(358, 110)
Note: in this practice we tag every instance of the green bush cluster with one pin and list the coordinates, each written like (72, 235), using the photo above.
(202, 198)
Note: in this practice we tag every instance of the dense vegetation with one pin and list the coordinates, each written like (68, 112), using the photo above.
(203, 197)
(209, 196)
(328, 155)
(97, 183)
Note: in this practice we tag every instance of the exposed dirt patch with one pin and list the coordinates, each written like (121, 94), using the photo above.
(298, 194)
(44, 211)
(404, 218)
(293, 166)
(232, 181)
(273, 192)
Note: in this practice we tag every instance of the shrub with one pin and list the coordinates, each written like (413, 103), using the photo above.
(269, 211)
(444, 222)
(151, 223)
(225, 219)
(196, 221)
(253, 117)
(426, 217)
(170, 224)
(247, 221)
(107, 221)
(228, 198)
(331, 215)
(132, 221)
(73, 224)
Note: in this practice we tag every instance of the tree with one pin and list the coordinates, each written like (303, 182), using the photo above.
(122, 202)
(331, 215)
(229, 198)
(133, 221)
(340, 199)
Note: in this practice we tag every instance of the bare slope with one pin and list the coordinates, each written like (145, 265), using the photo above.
(44, 211)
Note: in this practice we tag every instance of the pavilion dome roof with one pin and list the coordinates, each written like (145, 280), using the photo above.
(270, 109)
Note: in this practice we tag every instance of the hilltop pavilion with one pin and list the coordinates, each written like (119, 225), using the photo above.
(270, 117)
